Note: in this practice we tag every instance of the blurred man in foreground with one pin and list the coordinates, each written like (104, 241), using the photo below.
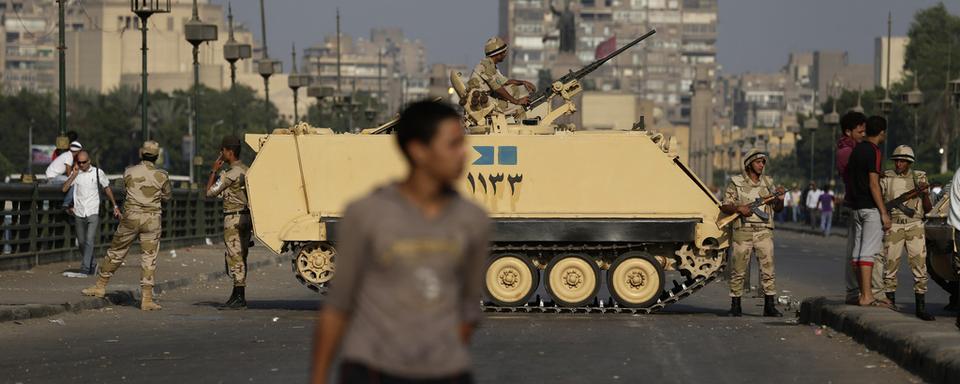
(406, 295)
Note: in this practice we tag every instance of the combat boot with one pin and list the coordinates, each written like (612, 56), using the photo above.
(97, 290)
(892, 296)
(233, 297)
(735, 309)
(238, 299)
(922, 308)
(769, 307)
(146, 299)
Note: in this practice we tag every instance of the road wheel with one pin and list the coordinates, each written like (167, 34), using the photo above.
(314, 264)
(635, 280)
(572, 280)
(511, 279)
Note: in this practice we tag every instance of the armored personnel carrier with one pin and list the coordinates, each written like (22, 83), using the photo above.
(573, 210)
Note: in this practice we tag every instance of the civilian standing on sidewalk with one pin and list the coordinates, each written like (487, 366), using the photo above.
(870, 215)
(813, 219)
(854, 127)
(825, 206)
(406, 296)
(86, 181)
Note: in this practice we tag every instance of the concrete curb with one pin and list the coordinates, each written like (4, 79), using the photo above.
(920, 347)
(36, 311)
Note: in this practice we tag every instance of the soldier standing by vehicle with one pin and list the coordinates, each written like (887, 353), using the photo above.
(487, 81)
(906, 229)
(752, 233)
(146, 187)
(231, 185)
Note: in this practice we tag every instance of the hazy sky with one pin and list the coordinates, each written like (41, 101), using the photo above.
(755, 35)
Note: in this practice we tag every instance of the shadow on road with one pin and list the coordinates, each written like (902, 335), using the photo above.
(289, 305)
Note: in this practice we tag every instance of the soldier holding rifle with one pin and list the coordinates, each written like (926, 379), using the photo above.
(905, 191)
(753, 231)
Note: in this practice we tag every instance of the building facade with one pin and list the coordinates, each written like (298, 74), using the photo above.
(661, 70)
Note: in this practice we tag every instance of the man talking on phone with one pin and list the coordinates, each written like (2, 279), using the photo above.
(231, 185)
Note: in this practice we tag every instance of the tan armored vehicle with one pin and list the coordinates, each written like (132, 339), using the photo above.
(573, 210)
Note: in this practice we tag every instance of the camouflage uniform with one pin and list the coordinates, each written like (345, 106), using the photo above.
(751, 234)
(231, 185)
(486, 78)
(906, 232)
(146, 186)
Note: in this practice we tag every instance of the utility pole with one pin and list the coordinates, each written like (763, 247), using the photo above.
(379, 81)
(296, 81)
(337, 98)
(886, 105)
(62, 48)
(266, 67)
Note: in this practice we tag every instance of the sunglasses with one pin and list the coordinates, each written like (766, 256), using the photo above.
(83, 162)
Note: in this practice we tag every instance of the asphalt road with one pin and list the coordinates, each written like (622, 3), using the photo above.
(191, 341)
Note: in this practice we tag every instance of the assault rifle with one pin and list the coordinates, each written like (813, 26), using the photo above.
(898, 202)
(564, 82)
(754, 207)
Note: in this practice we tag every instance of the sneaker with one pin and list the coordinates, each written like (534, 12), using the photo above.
(74, 274)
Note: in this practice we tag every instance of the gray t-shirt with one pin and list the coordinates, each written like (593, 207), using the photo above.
(407, 282)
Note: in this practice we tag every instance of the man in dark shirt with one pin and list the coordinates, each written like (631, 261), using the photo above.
(854, 126)
(870, 217)
(409, 277)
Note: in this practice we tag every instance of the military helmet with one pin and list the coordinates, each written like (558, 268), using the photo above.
(903, 152)
(752, 155)
(494, 46)
(151, 148)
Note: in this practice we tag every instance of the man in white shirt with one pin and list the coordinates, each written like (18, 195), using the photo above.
(85, 182)
(954, 220)
(812, 198)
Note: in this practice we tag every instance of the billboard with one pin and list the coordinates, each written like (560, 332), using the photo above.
(41, 154)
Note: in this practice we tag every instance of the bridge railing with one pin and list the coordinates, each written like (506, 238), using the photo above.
(35, 229)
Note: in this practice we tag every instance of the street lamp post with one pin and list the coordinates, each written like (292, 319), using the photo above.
(266, 67)
(295, 81)
(196, 33)
(811, 124)
(913, 99)
(232, 52)
(144, 9)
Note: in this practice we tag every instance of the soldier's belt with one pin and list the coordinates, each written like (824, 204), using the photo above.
(753, 228)
(241, 212)
(905, 220)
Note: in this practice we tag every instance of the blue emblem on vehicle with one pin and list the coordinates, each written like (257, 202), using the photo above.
(507, 155)
(486, 154)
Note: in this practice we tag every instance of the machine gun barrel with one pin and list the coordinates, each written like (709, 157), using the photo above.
(544, 94)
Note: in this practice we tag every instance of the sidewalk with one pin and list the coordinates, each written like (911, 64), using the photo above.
(43, 291)
(929, 349)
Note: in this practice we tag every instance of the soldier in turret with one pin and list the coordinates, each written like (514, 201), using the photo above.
(906, 231)
(486, 81)
(146, 187)
(231, 185)
(752, 233)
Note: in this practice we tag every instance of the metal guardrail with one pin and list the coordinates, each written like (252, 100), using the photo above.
(35, 229)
